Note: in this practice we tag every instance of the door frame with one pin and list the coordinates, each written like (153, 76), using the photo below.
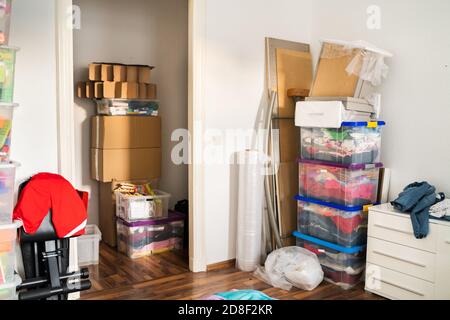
(66, 118)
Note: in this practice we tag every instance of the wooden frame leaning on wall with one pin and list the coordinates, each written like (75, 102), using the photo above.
(66, 130)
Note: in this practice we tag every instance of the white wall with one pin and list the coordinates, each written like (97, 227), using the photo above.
(234, 86)
(34, 142)
(416, 94)
(135, 32)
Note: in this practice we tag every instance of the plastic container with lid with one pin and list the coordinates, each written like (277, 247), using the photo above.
(347, 185)
(7, 180)
(7, 69)
(146, 237)
(5, 21)
(6, 119)
(345, 226)
(139, 207)
(341, 266)
(124, 107)
(8, 290)
(8, 235)
(353, 142)
(88, 246)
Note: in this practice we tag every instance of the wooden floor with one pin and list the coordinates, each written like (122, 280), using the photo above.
(166, 277)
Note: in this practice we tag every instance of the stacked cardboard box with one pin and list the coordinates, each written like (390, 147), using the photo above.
(123, 148)
(118, 81)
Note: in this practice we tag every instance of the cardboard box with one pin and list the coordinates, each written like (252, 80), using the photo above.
(331, 77)
(132, 73)
(90, 90)
(107, 213)
(98, 90)
(81, 90)
(107, 72)
(119, 73)
(151, 91)
(125, 132)
(95, 72)
(125, 164)
(144, 73)
(111, 89)
(288, 189)
(129, 90)
(142, 91)
(289, 139)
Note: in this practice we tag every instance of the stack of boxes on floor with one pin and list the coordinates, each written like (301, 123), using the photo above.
(8, 229)
(339, 165)
(126, 151)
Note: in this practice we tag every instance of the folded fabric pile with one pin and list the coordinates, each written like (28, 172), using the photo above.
(441, 210)
(417, 199)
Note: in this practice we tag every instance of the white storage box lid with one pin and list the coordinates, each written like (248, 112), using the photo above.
(331, 114)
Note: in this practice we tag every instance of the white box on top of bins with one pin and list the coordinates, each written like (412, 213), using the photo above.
(7, 180)
(5, 21)
(88, 246)
(140, 207)
(8, 235)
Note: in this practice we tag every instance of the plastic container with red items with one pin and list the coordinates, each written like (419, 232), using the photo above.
(5, 21)
(334, 223)
(341, 266)
(348, 185)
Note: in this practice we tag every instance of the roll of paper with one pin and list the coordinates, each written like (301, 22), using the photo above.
(250, 210)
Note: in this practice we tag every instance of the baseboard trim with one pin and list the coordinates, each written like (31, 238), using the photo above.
(221, 265)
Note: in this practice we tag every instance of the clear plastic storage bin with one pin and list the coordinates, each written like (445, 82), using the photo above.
(348, 185)
(122, 107)
(142, 238)
(344, 226)
(132, 207)
(8, 235)
(354, 142)
(7, 67)
(5, 21)
(7, 179)
(8, 290)
(6, 119)
(341, 266)
(88, 246)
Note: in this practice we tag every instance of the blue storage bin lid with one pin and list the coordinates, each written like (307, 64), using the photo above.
(329, 244)
(332, 205)
(372, 124)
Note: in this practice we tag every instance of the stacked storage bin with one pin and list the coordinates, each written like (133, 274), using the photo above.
(8, 228)
(145, 226)
(338, 180)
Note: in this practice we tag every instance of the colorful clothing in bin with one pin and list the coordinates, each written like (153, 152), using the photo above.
(354, 142)
(353, 185)
(341, 266)
(346, 226)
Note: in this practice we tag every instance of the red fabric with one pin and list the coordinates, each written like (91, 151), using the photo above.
(47, 191)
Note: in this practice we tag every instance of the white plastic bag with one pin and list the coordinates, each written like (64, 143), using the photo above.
(291, 266)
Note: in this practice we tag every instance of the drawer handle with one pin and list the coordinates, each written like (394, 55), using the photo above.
(401, 259)
(393, 229)
(401, 287)
(447, 242)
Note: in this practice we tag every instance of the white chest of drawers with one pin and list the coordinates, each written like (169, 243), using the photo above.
(399, 266)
